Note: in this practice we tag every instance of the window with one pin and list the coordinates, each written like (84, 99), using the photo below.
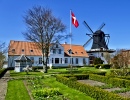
(70, 51)
(66, 60)
(22, 50)
(57, 60)
(52, 61)
(77, 61)
(71, 60)
(32, 60)
(13, 50)
(61, 60)
(56, 45)
(31, 50)
(40, 60)
(54, 51)
(84, 61)
(59, 51)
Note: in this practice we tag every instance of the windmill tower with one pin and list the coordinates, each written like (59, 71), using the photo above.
(99, 45)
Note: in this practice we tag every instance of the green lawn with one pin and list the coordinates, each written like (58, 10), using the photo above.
(16, 88)
(70, 93)
(23, 74)
(16, 91)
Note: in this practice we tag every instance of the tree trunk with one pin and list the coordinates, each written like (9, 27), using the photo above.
(45, 68)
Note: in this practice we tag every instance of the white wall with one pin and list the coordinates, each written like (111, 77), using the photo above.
(53, 56)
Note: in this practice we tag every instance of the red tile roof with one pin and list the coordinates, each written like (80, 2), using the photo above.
(31, 49)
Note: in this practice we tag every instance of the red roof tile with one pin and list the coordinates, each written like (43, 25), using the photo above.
(78, 50)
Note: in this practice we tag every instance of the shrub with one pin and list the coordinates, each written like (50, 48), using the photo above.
(106, 66)
(46, 92)
(110, 80)
(97, 66)
(78, 77)
(98, 61)
(73, 78)
(91, 91)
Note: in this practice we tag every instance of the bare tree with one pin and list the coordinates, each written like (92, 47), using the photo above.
(3, 50)
(44, 29)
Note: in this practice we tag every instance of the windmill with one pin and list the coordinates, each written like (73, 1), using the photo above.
(100, 42)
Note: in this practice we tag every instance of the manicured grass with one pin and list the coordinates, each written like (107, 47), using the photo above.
(57, 71)
(23, 74)
(16, 91)
(70, 93)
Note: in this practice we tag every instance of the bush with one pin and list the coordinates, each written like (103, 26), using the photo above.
(73, 78)
(98, 61)
(106, 66)
(120, 72)
(78, 77)
(94, 92)
(110, 80)
(97, 66)
(102, 66)
(45, 93)
(2, 72)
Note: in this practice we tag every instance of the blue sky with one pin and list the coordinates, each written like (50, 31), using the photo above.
(114, 13)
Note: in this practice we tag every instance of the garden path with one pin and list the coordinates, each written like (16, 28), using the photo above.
(96, 83)
(3, 85)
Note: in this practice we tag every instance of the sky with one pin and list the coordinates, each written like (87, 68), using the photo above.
(114, 13)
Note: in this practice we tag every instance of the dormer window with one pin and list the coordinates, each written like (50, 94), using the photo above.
(13, 50)
(76, 52)
(82, 52)
(31, 50)
(22, 50)
(70, 51)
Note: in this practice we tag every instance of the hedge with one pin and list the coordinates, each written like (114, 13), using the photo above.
(103, 66)
(94, 92)
(4, 70)
(109, 80)
(78, 77)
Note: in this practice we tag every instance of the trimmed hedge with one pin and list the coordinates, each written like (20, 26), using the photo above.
(78, 77)
(4, 70)
(94, 92)
(109, 80)
(94, 72)
(103, 66)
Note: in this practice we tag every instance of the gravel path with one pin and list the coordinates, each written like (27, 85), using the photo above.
(91, 82)
(96, 83)
(3, 85)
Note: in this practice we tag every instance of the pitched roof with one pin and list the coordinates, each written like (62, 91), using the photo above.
(77, 50)
(31, 49)
(22, 58)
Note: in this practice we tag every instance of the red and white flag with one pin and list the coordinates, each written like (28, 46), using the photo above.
(74, 20)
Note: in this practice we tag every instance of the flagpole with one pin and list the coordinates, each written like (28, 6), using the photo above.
(70, 41)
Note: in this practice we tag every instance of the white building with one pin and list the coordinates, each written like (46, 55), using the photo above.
(59, 55)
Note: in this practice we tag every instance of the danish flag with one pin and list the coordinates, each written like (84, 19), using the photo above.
(74, 20)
